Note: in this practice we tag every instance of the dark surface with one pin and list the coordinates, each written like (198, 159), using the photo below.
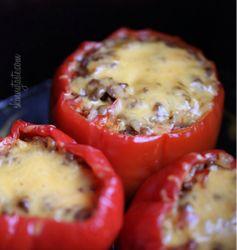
(34, 107)
(43, 33)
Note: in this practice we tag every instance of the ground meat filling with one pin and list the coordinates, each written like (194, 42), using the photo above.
(38, 180)
(204, 215)
(144, 87)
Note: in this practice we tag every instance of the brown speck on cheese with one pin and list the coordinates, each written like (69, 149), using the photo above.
(82, 214)
(23, 204)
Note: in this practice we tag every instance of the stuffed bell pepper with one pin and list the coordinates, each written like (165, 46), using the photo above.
(142, 97)
(188, 205)
(55, 193)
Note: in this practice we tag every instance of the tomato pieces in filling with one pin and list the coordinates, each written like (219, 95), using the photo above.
(204, 217)
(144, 87)
(37, 180)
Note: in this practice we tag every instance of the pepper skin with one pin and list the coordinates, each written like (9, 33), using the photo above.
(144, 219)
(134, 158)
(96, 232)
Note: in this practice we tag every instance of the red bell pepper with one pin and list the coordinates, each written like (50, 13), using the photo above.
(134, 158)
(96, 232)
(144, 220)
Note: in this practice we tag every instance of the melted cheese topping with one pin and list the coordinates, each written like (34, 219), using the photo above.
(210, 220)
(167, 86)
(37, 182)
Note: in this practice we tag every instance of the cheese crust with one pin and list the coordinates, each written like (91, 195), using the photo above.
(145, 87)
(36, 180)
(204, 215)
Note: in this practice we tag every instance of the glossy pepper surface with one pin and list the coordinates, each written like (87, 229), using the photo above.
(134, 158)
(96, 232)
(144, 221)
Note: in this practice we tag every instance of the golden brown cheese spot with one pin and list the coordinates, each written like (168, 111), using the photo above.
(206, 214)
(158, 87)
(36, 181)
